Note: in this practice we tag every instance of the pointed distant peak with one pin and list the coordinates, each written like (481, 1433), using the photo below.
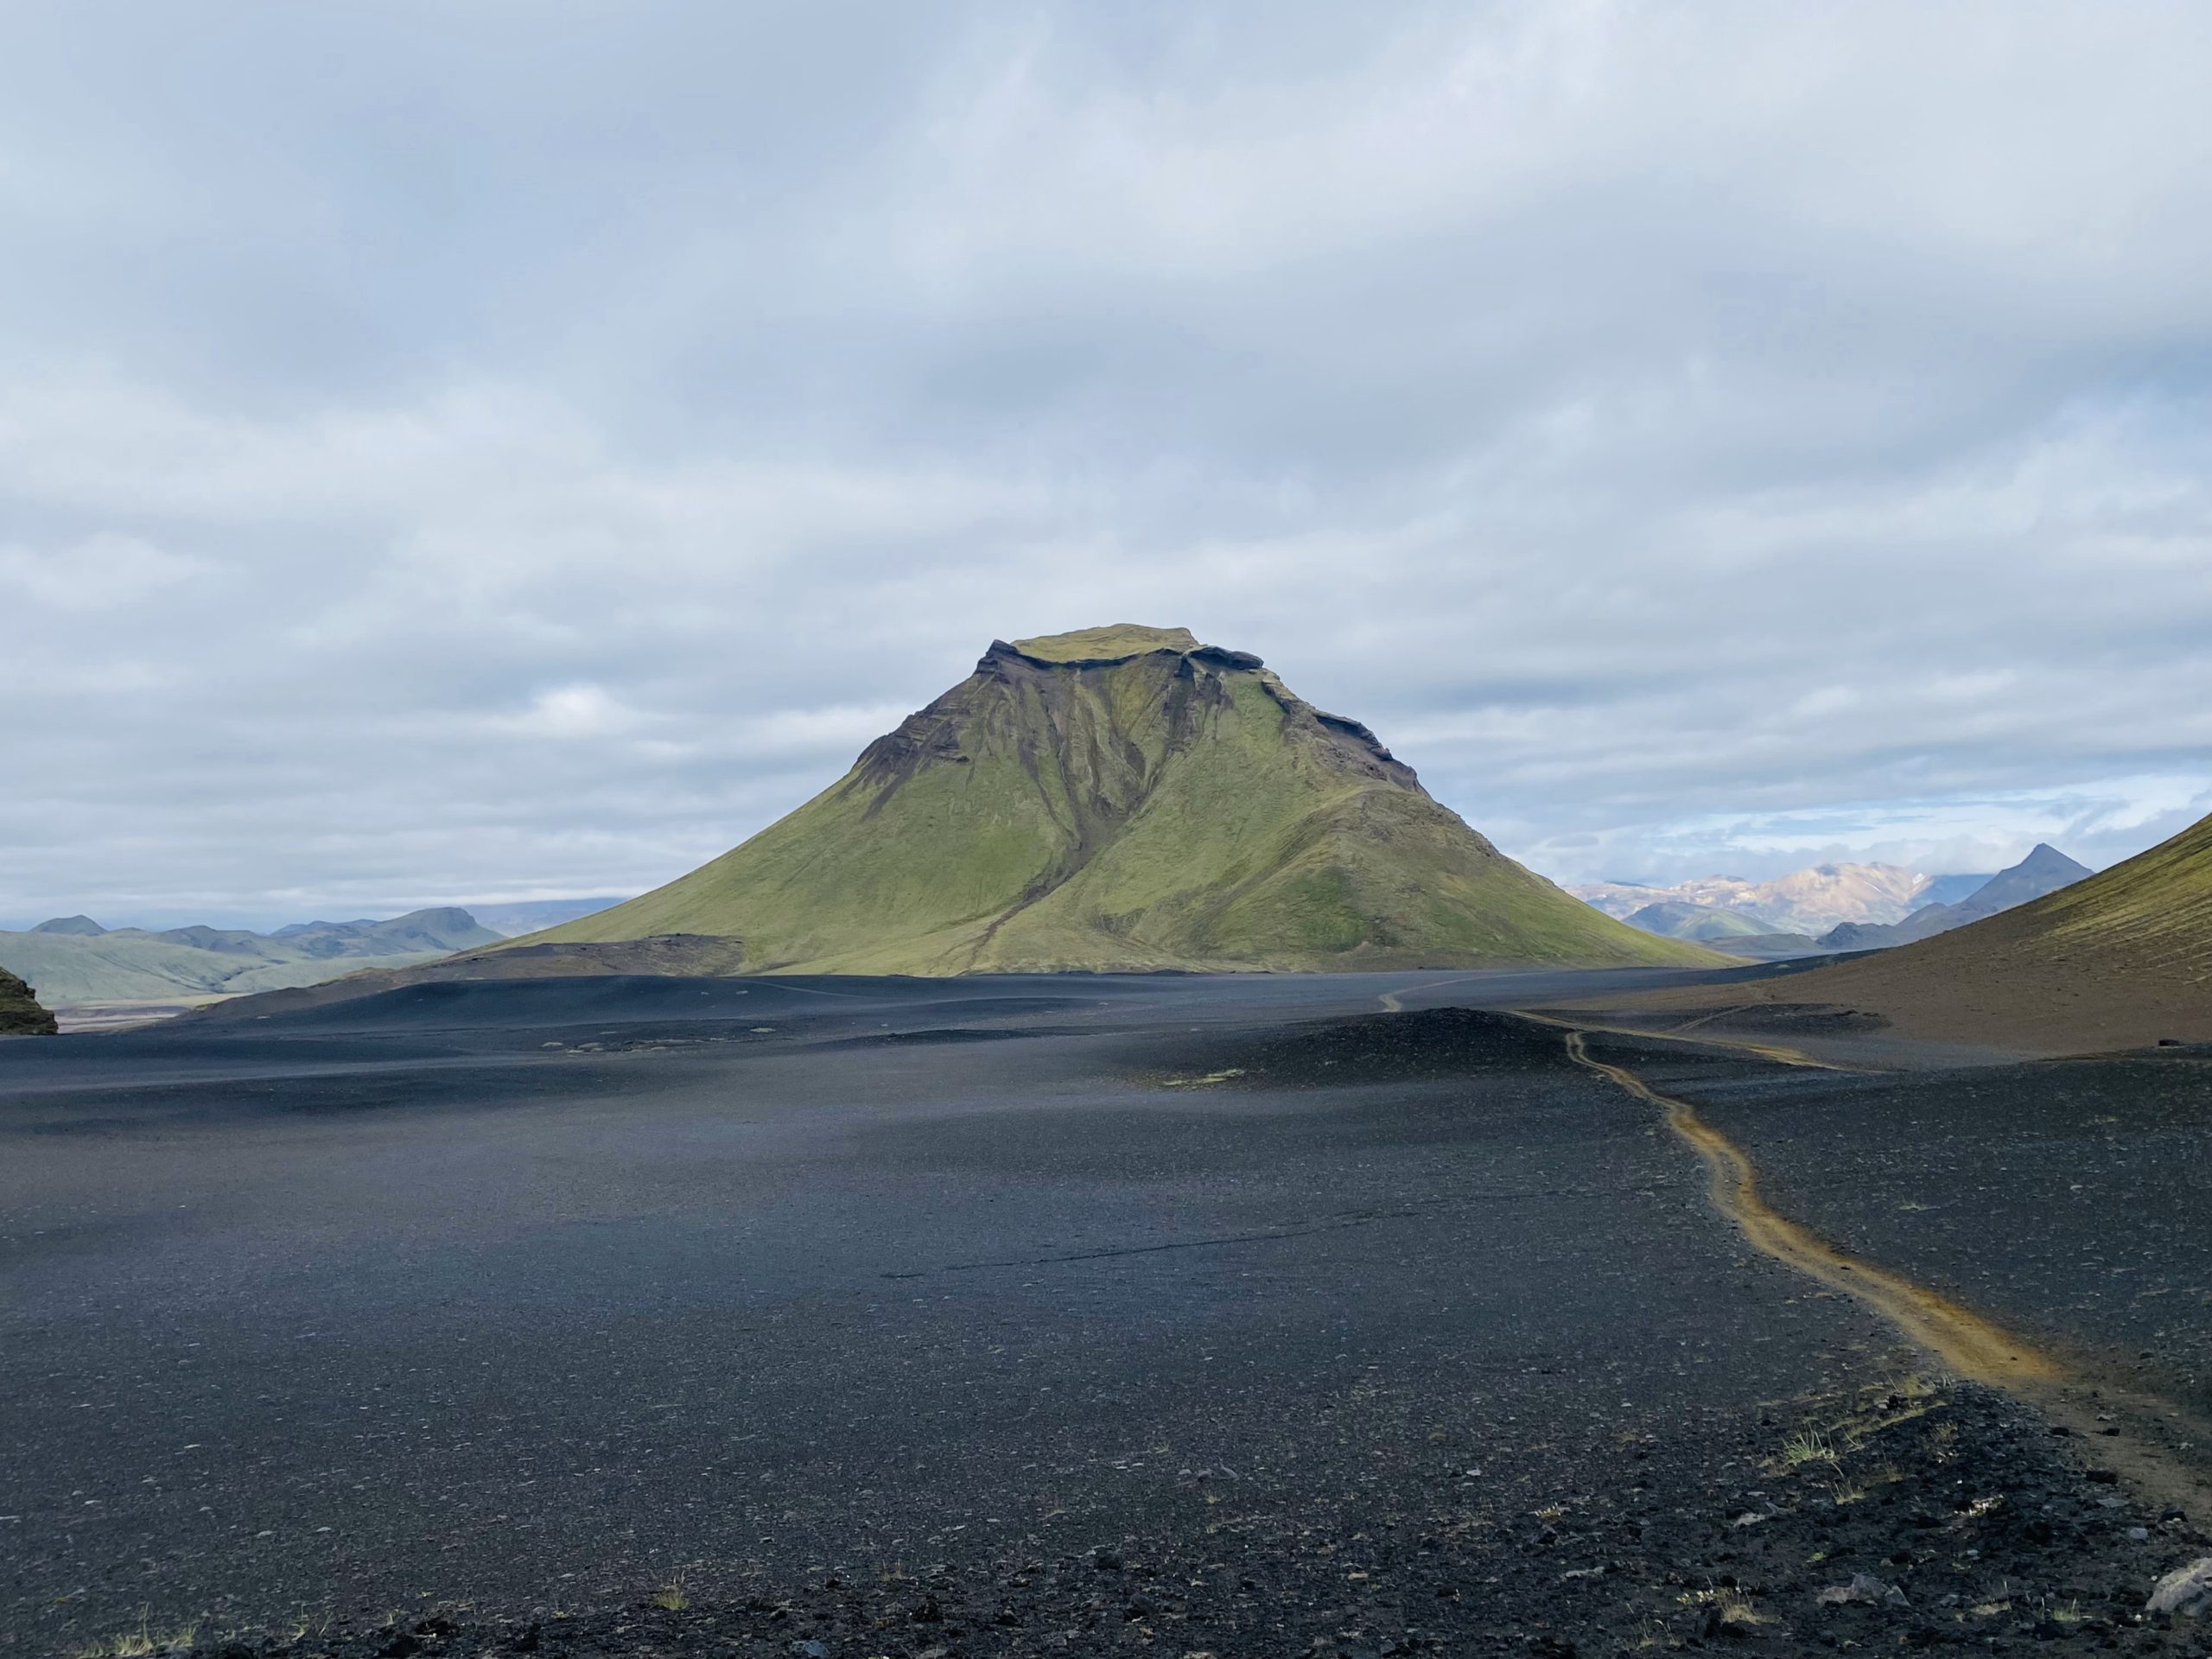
(2046, 863)
(1117, 642)
(82, 927)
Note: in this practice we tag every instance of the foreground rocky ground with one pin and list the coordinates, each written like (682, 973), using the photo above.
(1900, 1516)
(833, 1322)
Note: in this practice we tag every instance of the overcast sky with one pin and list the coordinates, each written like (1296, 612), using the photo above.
(471, 450)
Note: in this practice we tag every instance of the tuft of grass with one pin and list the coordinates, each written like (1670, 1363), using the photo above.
(1808, 1446)
(141, 1643)
(1733, 1606)
(672, 1597)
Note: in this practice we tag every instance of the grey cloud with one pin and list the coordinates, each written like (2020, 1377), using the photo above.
(485, 450)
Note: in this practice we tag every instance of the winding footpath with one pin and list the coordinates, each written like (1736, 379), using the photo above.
(1970, 1345)
(2142, 1437)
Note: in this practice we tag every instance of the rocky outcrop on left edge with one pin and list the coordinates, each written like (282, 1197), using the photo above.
(19, 1012)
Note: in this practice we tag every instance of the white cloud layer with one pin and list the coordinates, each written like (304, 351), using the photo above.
(476, 450)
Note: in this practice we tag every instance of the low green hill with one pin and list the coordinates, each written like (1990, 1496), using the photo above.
(1125, 798)
(1674, 918)
(19, 1012)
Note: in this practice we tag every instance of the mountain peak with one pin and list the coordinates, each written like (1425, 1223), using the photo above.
(1123, 798)
(2045, 870)
(82, 927)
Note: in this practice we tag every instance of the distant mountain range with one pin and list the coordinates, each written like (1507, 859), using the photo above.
(1831, 907)
(2045, 870)
(2119, 959)
(73, 960)
(1808, 901)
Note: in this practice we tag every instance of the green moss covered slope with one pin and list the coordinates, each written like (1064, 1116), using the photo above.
(1125, 798)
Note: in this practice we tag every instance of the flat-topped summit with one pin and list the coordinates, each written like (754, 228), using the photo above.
(1124, 799)
(1115, 643)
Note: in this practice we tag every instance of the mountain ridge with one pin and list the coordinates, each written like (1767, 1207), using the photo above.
(1810, 900)
(75, 965)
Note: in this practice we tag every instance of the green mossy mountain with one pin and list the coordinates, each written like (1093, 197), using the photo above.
(19, 1012)
(1125, 798)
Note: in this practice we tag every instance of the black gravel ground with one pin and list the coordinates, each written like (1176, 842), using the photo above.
(1011, 1317)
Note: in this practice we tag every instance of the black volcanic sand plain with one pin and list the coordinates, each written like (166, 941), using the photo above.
(1162, 1315)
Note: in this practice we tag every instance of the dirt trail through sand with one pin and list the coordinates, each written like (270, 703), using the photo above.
(2135, 1433)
